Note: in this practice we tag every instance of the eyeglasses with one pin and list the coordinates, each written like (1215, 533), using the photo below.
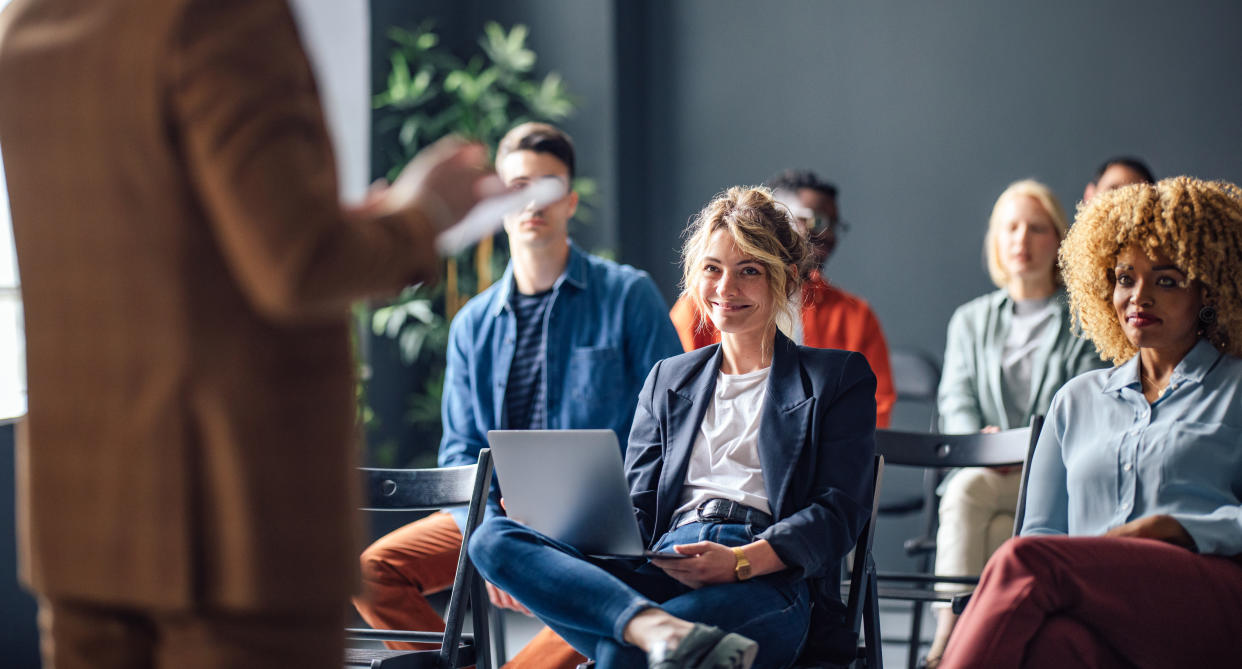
(818, 224)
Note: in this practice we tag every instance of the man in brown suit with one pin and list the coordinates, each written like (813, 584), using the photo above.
(187, 474)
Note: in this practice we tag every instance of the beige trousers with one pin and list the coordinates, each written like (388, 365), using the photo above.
(976, 517)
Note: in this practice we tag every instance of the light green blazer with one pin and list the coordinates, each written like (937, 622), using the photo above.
(970, 395)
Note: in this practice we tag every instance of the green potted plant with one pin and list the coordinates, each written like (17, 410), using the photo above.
(431, 92)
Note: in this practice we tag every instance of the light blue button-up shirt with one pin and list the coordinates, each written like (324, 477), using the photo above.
(1106, 457)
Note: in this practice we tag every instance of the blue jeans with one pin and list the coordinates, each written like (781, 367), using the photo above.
(589, 601)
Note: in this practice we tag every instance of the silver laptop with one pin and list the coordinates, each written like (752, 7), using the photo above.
(569, 485)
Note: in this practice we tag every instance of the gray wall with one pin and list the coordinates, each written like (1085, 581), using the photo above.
(922, 113)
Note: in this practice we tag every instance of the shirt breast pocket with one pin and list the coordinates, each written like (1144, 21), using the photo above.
(597, 386)
(1200, 457)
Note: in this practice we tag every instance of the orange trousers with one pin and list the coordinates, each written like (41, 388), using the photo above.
(404, 566)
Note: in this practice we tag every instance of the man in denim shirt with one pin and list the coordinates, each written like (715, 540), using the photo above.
(564, 340)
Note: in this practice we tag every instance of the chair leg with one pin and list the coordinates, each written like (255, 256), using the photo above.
(871, 609)
(480, 609)
(497, 617)
(916, 634)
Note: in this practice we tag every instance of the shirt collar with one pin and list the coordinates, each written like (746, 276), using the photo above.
(575, 274)
(1201, 358)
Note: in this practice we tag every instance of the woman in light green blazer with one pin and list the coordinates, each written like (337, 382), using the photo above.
(1007, 354)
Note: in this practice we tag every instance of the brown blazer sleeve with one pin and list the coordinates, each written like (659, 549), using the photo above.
(244, 111)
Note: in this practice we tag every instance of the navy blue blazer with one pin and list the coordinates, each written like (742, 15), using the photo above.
(816, 449)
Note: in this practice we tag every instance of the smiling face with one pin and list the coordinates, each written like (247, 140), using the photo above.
(537, 227)
(1157, 306)
(733, 287)
(1026, 239)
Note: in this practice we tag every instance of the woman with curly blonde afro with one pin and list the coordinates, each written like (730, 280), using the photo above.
(1131, 551)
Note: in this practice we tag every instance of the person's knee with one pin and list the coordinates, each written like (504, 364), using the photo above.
(998, 531)
(487, 545)
(1030, 555)
(374, 562)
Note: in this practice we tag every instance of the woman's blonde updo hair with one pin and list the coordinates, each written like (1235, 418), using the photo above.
(763, 229)
(1198, 224)
(1047, 201)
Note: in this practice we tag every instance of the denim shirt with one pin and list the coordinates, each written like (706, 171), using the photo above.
(1106, 457)
(605, 328)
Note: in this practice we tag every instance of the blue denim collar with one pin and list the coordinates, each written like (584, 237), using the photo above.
(575, 274)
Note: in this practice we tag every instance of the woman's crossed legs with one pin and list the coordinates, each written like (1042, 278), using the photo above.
(589, 601)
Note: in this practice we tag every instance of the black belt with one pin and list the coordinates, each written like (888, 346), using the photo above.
(719, 510)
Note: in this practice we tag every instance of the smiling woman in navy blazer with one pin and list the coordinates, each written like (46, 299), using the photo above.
(753, 457)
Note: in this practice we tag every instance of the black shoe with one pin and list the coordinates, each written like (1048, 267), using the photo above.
(707, 647)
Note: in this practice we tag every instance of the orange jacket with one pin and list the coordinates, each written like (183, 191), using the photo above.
(831, 318)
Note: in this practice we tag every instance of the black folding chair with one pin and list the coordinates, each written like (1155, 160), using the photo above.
(434, 489)
(860, 596)
(840, 647)
(916, 378)
(935, 452)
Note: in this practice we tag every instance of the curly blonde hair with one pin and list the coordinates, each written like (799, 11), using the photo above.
(1196, 223)
(762, 228)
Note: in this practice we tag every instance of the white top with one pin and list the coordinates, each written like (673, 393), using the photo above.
(724, 462)
(1028, 331)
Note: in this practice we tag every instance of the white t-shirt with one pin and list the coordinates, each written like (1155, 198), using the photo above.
(1032, 324)
(724, 461)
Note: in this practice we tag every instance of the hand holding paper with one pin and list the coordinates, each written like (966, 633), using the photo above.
(486, 218)
(443, 182)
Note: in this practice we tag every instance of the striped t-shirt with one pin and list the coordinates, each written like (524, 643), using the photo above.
(525, 395)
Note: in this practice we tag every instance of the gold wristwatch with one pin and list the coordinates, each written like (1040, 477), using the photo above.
(742, 569)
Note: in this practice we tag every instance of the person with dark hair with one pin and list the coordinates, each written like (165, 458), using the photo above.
(830, 317)
(1115, 173)
(187, 483)
(563, 340)
(751, 456)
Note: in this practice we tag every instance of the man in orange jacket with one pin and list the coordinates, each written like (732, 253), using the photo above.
(831, 317)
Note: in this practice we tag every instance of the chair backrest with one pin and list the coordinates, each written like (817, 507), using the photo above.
(863, 569)
(931, 449)
(916, 378)
(427, 489)
(418, 489)
(915, 374)
(1037, 425)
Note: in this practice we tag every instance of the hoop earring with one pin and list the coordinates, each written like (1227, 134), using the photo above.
(1207, 315)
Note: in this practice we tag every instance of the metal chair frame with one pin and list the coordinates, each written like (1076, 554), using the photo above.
(427, 490)
(935, 452)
